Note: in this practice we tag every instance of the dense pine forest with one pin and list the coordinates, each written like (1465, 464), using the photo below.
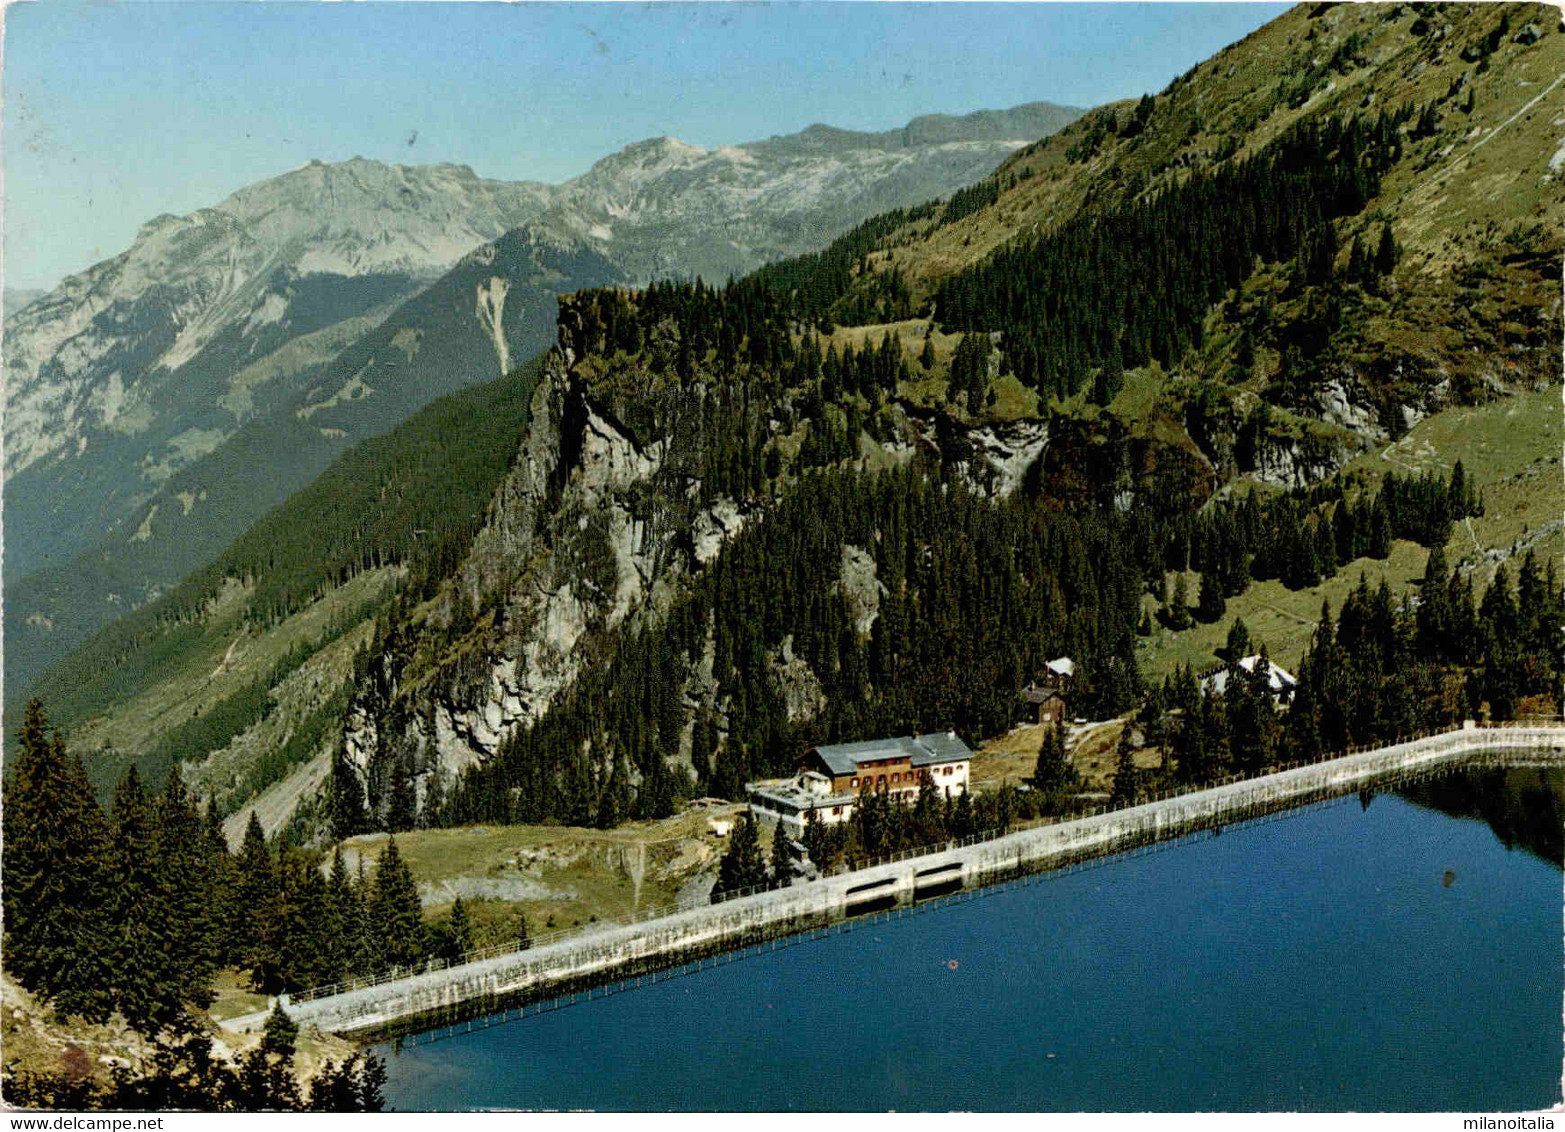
(974, 595)
(1133, 285)
(133, 911)
(977, 592)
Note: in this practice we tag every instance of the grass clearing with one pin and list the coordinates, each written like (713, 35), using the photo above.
(1282, 618)
(564, 874)
(234, 996)
(1013, 400)
(1009, 759)
(1510, 448)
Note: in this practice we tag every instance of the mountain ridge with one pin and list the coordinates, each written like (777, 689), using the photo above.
(100, 461)
(742, 518)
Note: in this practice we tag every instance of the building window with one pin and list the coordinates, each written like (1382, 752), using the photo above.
(835, 810)
(896, 778)
(855, 782)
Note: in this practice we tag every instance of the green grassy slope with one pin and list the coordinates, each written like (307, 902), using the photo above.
(1511, 447)
(305, 576)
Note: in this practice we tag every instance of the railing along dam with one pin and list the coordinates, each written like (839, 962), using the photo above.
(617, 952)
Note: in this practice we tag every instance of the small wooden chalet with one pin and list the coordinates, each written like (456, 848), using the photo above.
(1047, 694)
(1279, 681)
(1049, 702)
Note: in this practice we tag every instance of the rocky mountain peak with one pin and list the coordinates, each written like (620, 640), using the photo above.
(139, 369)
(633, 168)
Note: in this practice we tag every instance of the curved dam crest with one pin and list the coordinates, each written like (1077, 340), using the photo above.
(622, 951)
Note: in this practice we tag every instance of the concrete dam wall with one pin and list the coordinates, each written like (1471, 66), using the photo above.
(615, 952)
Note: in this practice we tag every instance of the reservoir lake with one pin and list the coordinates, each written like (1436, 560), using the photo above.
(1397, 951)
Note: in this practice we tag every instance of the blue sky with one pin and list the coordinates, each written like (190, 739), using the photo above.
(117, 112)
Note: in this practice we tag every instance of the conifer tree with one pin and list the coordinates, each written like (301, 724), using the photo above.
(1211, 606)
(1433, 617)
(927, 825)
(368, 957)
(396, 914)
(280, 1034)
(1054, 772)
(1179, 605)
(1251, 716)
(742, 866)
(266, 1080)
(401, 814)
(256, 912)
(312, 941)
(1127, 776)
(189, 867)
(348, 913)
(782, 856)
(429, 809)
(1379, 531)
(1386, 253)
(1238, 646)
(349, 813)
(814, 839)
(54, 886)
(145, 955)
(221, 866)
(1192, 764)
(457, 933)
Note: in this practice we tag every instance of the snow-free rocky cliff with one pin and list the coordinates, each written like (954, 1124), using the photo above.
(161, 401)
(324, 306)
(596, 529)
(145, 362)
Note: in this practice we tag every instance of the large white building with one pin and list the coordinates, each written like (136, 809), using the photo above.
(831, 778)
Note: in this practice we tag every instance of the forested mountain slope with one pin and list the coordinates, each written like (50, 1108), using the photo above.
(1113, 239)
(1265, 307)
(870, 489)
(277, 329)
(188, 673)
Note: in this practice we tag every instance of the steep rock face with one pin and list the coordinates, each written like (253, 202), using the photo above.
(861, 586)
(598, 528)
(797, 685)
(992, 458)
(1297, 463)
(1008, 450)
(715, 526)
(286, 323)
(579, 539)
(137, 367)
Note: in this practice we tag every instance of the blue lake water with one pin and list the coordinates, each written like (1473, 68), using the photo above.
(1323, 962)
